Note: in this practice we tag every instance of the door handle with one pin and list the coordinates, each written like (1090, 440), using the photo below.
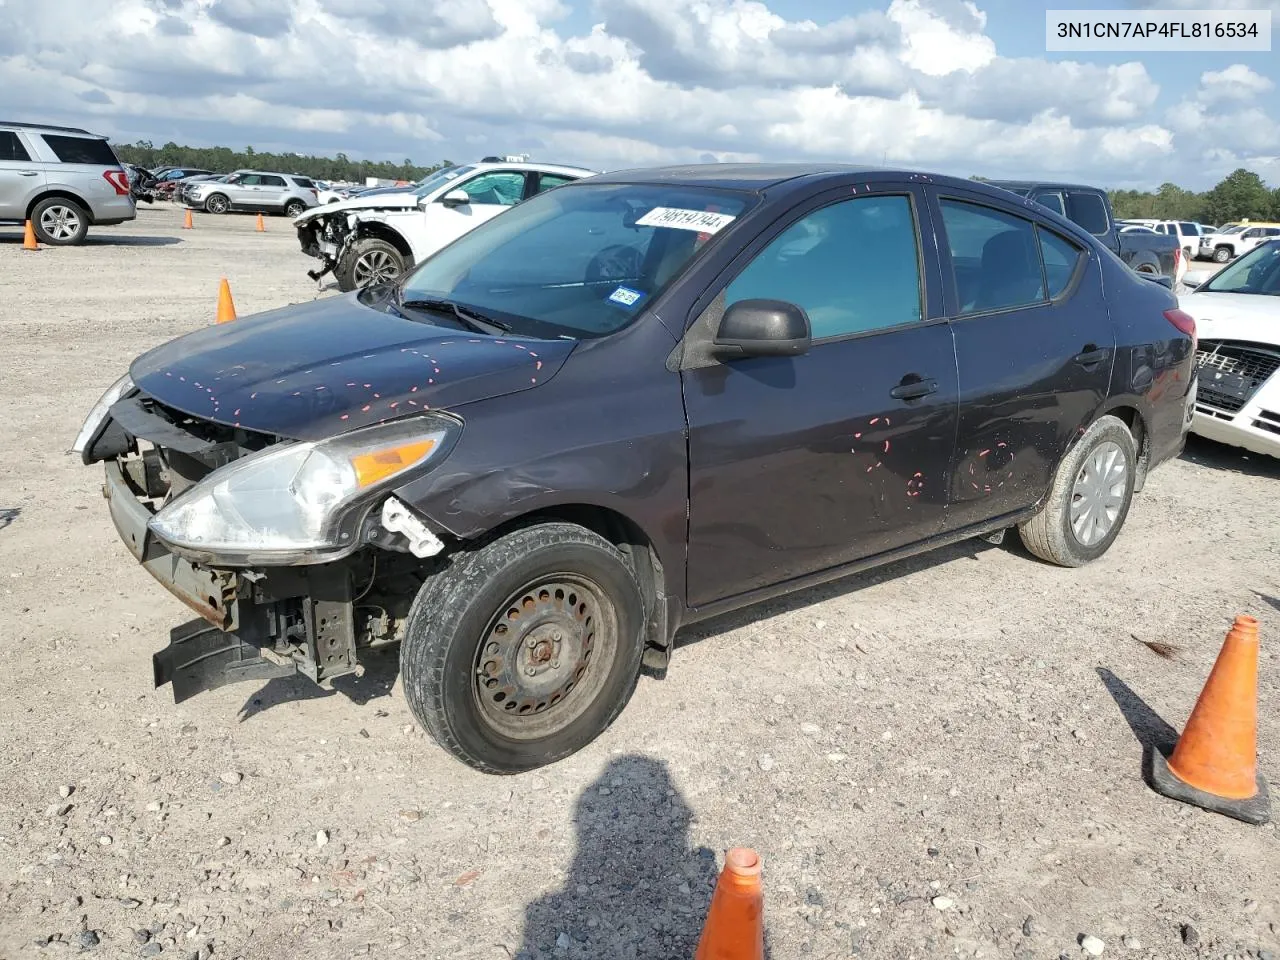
(26, 173)
(913, 387)
(1091, 356)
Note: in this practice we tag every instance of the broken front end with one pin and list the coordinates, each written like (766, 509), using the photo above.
(327, 237)
(296, 555)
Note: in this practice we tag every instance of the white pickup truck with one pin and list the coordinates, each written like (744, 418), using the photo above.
(1237, 239)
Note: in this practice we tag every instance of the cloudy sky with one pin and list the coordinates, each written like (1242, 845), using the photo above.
(949, 85)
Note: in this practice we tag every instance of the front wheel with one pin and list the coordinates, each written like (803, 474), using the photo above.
(368, 262)
(1221, 254)
(217, 204)
(524, 650)
(1090, 498)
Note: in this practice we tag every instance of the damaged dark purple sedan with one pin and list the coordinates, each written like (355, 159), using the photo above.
(626, 405)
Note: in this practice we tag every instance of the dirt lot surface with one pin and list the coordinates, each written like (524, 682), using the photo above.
(942, 758)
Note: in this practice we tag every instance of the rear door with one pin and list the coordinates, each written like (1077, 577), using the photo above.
(271, 192)
(799, 464)
(20, 177)
(1034, 347)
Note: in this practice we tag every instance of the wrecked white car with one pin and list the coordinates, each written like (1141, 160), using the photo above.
(374, 238)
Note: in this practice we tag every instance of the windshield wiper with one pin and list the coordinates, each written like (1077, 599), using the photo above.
(469, 318)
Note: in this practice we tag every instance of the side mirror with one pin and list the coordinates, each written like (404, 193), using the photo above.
(456, 198)
(1191, 284)
(763, 328)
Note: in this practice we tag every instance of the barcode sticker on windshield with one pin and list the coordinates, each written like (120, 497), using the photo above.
(626, 296)
(701, 221)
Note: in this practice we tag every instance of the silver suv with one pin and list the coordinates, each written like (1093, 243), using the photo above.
(254, 190)
(62, 179)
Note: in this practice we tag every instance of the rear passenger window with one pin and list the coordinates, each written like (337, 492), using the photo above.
(1060, 258)
(304, 183)
(852, 266)
(11, 147)
(995, 256)
(268, 181)
(81, 150)
(1088, 210)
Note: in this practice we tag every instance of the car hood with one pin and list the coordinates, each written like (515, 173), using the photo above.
(318, 369)
(1234, 316)
(386, 201)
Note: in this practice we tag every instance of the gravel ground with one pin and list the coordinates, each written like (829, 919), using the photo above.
(941, 758)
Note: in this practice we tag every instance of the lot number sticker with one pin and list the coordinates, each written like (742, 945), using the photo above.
(626, 296)
(701, 221)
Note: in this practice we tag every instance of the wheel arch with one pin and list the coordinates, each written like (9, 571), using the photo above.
(1132, 417)
(376, 230)
(60, 193)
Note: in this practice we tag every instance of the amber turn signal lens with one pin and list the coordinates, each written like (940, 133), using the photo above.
(372, 467)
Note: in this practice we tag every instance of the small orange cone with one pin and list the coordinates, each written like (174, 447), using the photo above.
(188, 223)
(262, 227)
(226, 307)
(735, 922)
(29, 238)
(1215, 764)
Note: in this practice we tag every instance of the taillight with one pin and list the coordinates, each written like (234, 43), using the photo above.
(118, 179)
(1184, 322)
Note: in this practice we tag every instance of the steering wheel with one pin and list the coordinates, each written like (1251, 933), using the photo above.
(616, 262)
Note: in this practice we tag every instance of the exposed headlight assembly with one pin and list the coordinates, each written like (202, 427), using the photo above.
(98, 414)
(301, 502)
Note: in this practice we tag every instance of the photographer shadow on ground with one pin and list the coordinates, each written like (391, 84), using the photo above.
(635, 889)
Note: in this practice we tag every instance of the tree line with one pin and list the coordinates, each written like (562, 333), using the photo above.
(1242, 195)
(223, 160)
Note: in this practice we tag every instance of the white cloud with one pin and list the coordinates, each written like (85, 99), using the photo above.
(916, 82)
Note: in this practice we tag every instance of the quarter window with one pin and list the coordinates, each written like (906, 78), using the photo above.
(1053, 201)
(11, 147)
(548, 180)
(81, 150)
(852, 266)
(995, 256)
(1060, 257)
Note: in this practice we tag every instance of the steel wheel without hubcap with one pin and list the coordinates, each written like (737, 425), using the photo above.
(544, 657)
(375, 266)
(60, 223)
(1098, 494)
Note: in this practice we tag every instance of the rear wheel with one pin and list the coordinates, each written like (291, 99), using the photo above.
(1090, 498)
(523, 651)
(59, 222)
(367, 262)
(1221, 254)
(217, 203)
(294, 208)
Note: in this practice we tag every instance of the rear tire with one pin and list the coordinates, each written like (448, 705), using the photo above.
(367, 262)
(294, 208)
(59, 222)
(1090, 497)
(524, 650)
(216, 203)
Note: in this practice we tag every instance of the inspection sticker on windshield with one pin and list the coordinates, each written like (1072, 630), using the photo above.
(703, 221)
(626, 296)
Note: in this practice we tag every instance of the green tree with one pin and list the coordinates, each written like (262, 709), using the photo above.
(224, 160)
(1241, 195)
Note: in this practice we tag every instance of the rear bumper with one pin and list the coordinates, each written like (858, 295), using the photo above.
(111, 210)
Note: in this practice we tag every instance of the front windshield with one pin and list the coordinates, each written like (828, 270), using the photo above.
(1235, 229)
(438, 179)
(580, 261)
(1258, 272)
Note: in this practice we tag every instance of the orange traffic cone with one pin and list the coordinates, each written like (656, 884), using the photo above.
(226, 307)
(262, 227)
(29, 238)
(1215, 764)
(188, 223)
(735, 922)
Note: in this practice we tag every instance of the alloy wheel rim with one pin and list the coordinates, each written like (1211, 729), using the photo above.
(376, 266)
(59, 222)
(1097, 497)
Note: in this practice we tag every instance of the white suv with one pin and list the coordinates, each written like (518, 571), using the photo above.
(254, 190)
(62, 179)
(375, 239)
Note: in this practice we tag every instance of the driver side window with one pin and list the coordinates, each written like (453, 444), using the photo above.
(500, 187)
(852, 266)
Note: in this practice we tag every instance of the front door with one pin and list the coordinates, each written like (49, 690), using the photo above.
(1034, 344)
(441, 223)
(799, 464)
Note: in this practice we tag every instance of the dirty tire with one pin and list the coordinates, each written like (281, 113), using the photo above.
(368, 262)
(59, 222)
(216, 203)
(1221, 254)
(447, 657)
(1049, 534)
(294, 209)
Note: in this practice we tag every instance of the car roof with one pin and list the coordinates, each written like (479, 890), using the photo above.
(50, 127)
(761, 176)
(526, 165)
(1051, 184)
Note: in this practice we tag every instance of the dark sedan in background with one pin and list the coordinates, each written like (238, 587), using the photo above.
(625, 405)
